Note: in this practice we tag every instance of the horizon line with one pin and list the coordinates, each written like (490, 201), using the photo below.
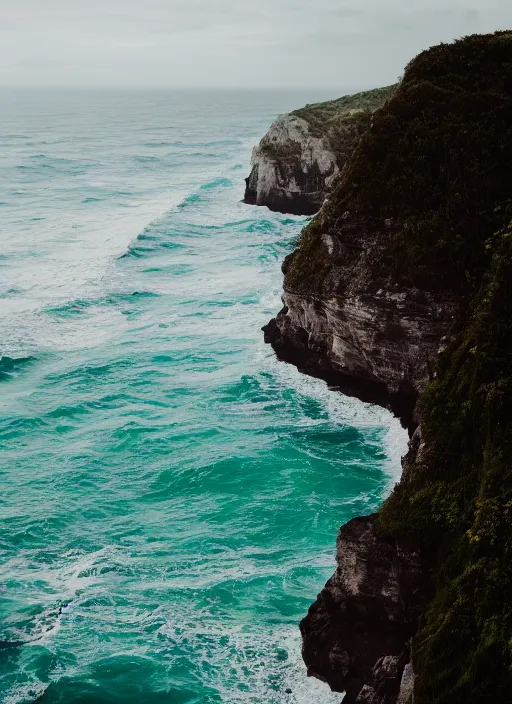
(247, 89)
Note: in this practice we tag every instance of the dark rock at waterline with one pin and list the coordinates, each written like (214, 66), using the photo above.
(357, 632)
(280, 200)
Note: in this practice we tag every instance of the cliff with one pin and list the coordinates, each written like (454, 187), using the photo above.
(400, 292)
(297, 162)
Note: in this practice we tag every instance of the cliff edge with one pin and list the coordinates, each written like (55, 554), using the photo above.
(400, 292)
(296, 163)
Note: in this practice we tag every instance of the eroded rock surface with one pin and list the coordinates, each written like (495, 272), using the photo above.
(355, 326)
(292, 171)
(356, 634)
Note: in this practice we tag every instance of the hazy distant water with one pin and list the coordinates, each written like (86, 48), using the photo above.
(170, 494)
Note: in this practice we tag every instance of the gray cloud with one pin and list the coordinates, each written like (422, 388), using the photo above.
(228, 43)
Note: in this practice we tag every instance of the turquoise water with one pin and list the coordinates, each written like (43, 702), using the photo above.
(170, 493)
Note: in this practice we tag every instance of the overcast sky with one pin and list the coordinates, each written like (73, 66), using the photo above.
(229, 43)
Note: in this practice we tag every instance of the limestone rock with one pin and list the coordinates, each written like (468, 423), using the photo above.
(292, 171)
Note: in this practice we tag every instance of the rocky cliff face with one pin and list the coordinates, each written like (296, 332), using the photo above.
(296, 164)
(356, 634)
(292, 171)
(400, 289)
(350, 322)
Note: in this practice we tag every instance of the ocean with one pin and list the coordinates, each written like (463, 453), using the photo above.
(170, 493)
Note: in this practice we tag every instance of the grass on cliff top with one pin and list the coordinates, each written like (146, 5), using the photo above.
(322, 116)
(441, 160)
(340, 122)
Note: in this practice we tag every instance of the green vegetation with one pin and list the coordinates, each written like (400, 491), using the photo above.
(456, 503)
(437, 165)
(341, 122)
(324, 117)
(451, 191)
(437, 160)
